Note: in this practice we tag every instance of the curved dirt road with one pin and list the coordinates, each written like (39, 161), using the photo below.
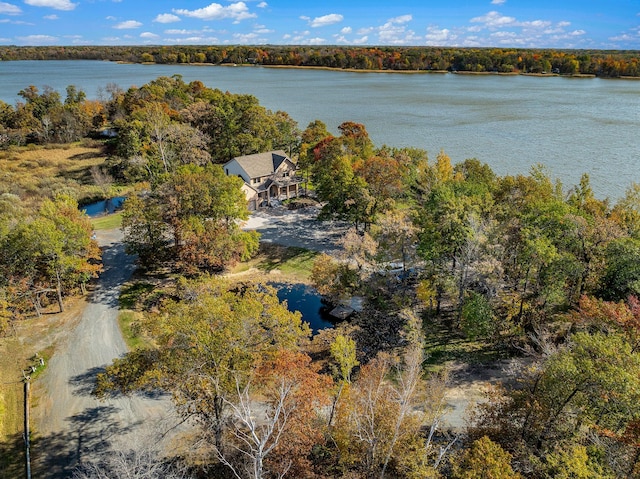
(75, 426)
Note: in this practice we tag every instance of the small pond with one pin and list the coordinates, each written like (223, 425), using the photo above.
(308, 301)
(103, 207)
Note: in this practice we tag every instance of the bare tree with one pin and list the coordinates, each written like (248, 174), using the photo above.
(256, 432)
(274, 420)
(147, 464)
(381, 419)
(102, 179)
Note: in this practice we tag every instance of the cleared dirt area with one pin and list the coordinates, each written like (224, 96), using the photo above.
(469, 385)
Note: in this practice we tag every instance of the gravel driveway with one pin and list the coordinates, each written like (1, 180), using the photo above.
(298, 228)
(76, 426)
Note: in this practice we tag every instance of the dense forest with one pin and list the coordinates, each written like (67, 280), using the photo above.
(602, 63)
(522, 267)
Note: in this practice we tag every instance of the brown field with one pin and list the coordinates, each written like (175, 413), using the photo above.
(36, 172)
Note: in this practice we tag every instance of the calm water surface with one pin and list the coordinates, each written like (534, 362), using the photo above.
(572, 126)
(308, 302)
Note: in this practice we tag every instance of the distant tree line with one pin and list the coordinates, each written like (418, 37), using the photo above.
(602, 63)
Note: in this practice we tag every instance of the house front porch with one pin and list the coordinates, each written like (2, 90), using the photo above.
(279, 190)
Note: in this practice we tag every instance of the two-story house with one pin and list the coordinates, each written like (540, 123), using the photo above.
(267, 176)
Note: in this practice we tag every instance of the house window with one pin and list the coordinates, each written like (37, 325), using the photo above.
(227, 171)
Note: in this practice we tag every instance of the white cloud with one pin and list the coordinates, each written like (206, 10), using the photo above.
(51, 17)
(494, 20)
(315, 41)
(506, 30)
(175, 31)
(149, 35)
(503, 35)
(55, 4)
(394, 32)
(439, 36)
(128, 25)
(498, 2)
(625, 37)
(248, 38)
(346, 30)
(400, 19)
(299, 38)
(324, 20)
(16, 22)
(38, 39)
(9, 9)
(536, 24)
(166, 18)
(237, 11)
(198, 40)
(341, 39)
(262, 5)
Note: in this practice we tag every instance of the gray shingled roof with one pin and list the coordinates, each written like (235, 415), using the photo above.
(261, 164)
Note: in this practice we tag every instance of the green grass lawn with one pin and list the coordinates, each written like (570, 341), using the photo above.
(292, 262)
(107, 222)
(128, 321)
(131, 296)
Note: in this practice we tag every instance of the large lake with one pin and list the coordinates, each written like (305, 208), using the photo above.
(571, 125)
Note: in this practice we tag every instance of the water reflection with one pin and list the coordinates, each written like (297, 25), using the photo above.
(304, 298)
(103, 207)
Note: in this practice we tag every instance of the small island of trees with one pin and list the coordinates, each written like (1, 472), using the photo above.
(516, 268)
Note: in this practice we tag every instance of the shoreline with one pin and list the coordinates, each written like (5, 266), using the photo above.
(403, 72)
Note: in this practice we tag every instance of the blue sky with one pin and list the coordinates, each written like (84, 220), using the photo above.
(606, 24)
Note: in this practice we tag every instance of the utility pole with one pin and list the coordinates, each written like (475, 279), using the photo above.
(27, 432)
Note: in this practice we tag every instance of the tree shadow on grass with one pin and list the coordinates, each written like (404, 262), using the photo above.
(445, 343)
(12, 457)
